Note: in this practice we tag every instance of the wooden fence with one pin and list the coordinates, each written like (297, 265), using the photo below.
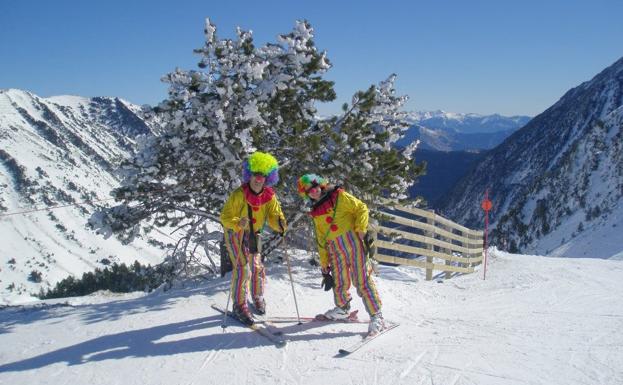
(424, 239)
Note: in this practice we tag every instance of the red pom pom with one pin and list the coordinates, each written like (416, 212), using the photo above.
(333, 227)
(329, 219)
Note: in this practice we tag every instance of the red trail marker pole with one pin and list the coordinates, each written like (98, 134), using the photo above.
(486, 206)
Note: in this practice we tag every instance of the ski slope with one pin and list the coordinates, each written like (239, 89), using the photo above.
(534, 320)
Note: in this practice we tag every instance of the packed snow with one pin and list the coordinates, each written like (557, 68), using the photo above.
(533, 320)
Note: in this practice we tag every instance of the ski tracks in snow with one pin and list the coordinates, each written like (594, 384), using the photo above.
(412, 365)
(214, 353)
(211, 356)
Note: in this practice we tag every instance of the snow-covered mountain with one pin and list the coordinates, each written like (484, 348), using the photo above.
(448, 131)
(468, 123)
(534, 320)
(60, 151)
(557, 183)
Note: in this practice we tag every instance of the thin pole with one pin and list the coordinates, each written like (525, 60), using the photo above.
(296, 305)
(484, 274)
(224, 324)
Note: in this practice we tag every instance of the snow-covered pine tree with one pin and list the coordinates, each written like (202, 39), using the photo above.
(245, 98)
(242, 98)
(296, 138)
(360, 153)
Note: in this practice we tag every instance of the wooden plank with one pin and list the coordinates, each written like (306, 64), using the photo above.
(438, 218)
(474, 260)
(427, 214)
(436, 242)
(422, 264)
(409, 249)
(427, 227)
(409, 222)
(424, 252)
(458, 227)
(456, 237)
(400, 261)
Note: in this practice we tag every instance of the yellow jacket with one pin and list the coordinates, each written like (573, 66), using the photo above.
(264, 208)
(350, 214)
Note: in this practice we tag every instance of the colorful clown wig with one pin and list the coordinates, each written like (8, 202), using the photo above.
(308, 181)
(262, 163)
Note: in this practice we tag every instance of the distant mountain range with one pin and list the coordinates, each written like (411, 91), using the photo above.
(447, 131)
(468, 123)
(557, 183)
(61, 151)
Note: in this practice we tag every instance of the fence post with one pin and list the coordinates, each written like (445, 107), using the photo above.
(430, 234)
(448, 252)
(476, 238)
(468, 245)
(449, 263)
(475, 255)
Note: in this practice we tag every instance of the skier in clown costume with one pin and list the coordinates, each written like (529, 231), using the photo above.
(340, 222)
(245, 213)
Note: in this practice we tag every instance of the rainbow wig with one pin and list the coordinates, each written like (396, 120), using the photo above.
(263, 163)
(308, 181)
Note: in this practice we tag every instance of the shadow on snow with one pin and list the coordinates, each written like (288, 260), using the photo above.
(144, 343)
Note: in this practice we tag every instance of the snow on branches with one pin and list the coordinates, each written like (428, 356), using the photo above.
(361, 153)
(245, 98)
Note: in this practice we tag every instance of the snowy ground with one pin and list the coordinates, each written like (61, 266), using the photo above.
(601, 238)
(534, 320)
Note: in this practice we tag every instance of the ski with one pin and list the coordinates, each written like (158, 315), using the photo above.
(356, 346)
(261, 328)
(352, 318)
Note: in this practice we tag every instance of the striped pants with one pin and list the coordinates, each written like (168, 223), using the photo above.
(246, 268)
(349, 263)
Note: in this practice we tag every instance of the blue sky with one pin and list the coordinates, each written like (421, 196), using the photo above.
(508, 57)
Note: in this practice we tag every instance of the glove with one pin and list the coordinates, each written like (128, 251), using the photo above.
(327, 280)
(243, 223)
(282, 225)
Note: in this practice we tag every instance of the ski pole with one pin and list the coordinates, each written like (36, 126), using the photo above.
(296, 305)
(224, 325)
